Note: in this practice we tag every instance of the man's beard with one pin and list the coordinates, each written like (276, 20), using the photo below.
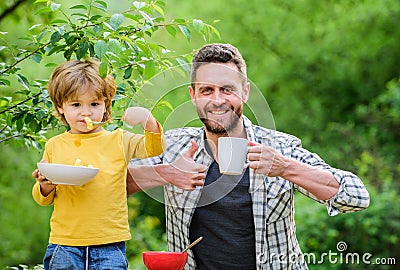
(216, 127)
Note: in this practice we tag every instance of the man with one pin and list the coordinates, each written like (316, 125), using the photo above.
(247, 222)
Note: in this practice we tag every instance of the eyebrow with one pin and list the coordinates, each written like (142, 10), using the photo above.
(210, 85)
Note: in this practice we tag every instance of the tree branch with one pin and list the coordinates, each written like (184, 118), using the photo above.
(11, 8)
(19, 103)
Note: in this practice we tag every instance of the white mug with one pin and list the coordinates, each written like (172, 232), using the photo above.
(232, 155)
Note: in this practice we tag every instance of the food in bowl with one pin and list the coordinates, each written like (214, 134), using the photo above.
(78, 162)
(67, 174)
(163, 260)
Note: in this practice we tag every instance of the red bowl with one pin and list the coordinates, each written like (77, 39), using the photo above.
(163, 260)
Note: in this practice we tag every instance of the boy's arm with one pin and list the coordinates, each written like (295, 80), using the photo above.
(154, 142)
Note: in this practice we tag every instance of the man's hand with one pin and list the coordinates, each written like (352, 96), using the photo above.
(184, 172)
(265, 160)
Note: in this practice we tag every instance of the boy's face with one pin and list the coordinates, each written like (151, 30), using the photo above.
(84, 104)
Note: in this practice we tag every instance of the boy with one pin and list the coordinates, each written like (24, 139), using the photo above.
(89, 223)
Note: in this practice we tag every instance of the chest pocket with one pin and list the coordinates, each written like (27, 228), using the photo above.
(279, 199)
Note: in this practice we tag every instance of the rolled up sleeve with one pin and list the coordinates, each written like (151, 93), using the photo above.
(352, 195)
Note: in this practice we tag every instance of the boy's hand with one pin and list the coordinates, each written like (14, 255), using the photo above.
(46, 186)
(139, 115)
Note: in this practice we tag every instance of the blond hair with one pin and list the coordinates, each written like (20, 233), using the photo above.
(71, 76)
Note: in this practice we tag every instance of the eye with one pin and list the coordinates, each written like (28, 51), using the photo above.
(227, 90)
(75, 104)
(94, 104)
(206, 90)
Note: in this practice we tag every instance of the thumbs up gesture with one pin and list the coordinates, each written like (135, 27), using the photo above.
(184, 172)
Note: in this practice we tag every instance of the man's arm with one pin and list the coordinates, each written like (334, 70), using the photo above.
(344, 190)
(183, 173)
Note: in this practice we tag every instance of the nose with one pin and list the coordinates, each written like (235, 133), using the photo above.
(218, 97)
(86, 110)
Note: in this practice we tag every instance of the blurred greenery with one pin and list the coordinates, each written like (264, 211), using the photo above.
(330, 73)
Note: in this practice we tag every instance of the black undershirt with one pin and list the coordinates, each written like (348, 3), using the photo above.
(226, 224)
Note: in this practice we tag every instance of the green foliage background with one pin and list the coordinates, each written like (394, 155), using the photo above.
(330, 73)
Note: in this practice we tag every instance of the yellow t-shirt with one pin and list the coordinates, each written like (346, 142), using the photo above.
(96, 212)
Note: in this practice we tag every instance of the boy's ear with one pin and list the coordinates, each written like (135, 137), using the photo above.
(60, 110)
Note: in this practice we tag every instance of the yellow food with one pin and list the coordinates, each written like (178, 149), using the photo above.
(89, 122)
(78, 162)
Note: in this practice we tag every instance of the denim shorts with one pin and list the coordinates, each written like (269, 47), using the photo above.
(101, 257)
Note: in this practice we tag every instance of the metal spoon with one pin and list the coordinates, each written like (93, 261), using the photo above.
(91, 124)
(194, 243)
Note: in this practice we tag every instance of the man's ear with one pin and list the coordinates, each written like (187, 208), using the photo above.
(191, 91)
(246, 92)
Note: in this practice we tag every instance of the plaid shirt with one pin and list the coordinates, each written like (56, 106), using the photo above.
(273, 205)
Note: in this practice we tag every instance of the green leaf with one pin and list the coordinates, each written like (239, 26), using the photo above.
(51, 65)
(100, 5)
(180, 20)
(139, 5)
(5, 100)
(40, 1)
(215, 31)
(79, 7)
(40, 114)
(23, 80)
(56, 49)
(35, 26)
(116, 20)
(43, 10)
(185, 31)
(82, 49)
(103, 69)
(128, 72)
(150, 69)
(100, 48)
(159, 9)
(147, 18)
(29, 117)
(83, 15)
(36, 57)
(114, 46)
(67, 54)
(20, 123)
(119, 97)
(165, 103)
(5, 82)
(183, 64)
(198, 25)
(94, 18)
(69, 40)
(57, 21)
(55, 37)
(171, 30)
(54, 6)
(135, 17)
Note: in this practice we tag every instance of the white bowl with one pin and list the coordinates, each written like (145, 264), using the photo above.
(67, 174)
